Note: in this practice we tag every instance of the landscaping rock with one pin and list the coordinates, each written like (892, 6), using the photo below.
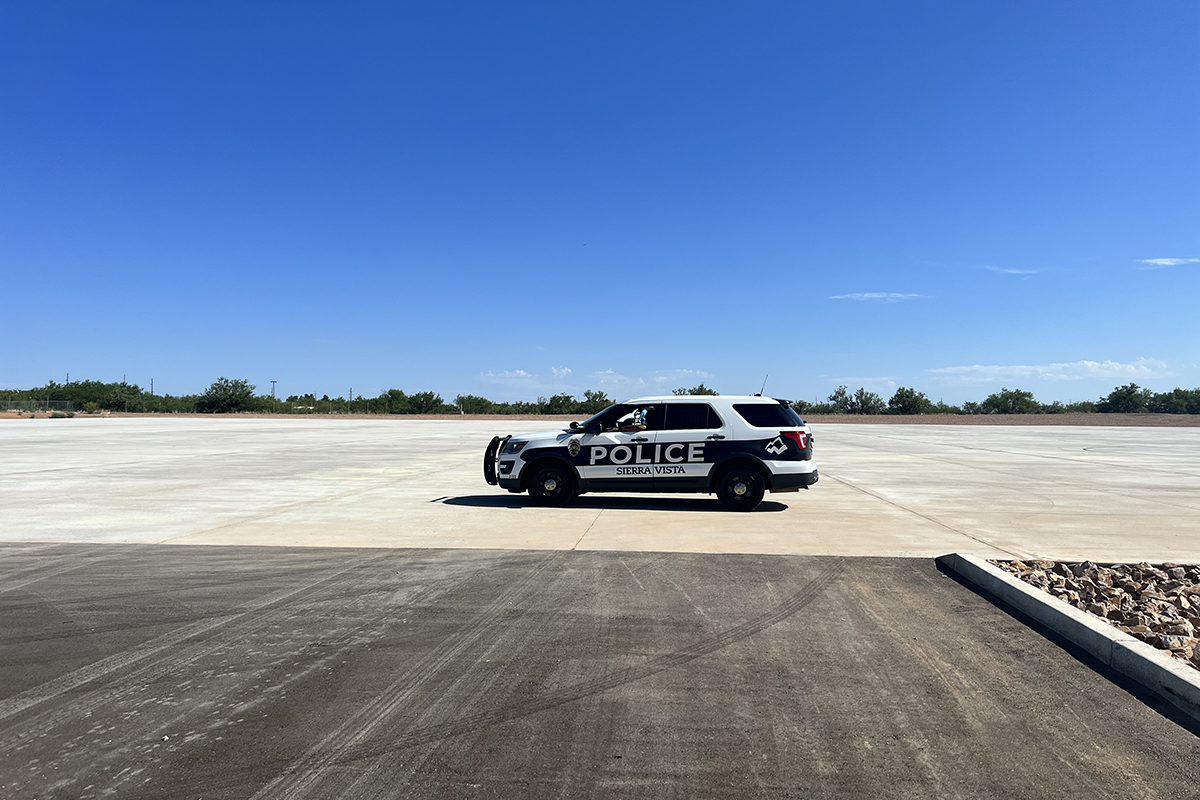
(1158, 604)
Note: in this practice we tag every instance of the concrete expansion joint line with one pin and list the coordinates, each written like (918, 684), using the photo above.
(927, 518)
(589, 527)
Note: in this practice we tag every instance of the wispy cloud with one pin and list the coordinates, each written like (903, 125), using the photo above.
(885, 382)
(1008, 271)
(1160, 263)
(1142, 368)
(878, 297)
(657, 379)
(561, 372)
(508, 375)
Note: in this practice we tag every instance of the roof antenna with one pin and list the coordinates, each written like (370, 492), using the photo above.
(764, 386)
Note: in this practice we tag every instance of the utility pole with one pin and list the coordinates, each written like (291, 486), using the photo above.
(152, 387)
(273, 390)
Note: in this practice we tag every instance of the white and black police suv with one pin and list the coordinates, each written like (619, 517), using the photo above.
(734, 446)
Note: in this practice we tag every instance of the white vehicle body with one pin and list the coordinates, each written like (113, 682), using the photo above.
(737, 447)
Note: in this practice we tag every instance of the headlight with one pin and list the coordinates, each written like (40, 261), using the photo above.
(515, 447)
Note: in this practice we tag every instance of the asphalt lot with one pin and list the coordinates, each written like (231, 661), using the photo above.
(148, 671)
(897, 490)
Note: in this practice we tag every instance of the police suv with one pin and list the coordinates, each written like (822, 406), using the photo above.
(734, 446)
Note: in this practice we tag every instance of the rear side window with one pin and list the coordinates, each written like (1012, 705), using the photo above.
(691, 416)
(768, 415)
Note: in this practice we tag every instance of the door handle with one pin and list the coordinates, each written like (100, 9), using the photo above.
(716, 436)
(639, 439)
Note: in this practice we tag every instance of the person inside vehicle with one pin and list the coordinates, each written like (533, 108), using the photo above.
(636, 421)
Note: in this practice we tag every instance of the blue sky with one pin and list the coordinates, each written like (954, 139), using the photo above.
(519, 199)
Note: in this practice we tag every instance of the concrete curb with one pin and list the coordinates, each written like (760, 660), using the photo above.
(1167, 676)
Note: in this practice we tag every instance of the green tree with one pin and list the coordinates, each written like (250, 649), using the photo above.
(226, 396)
(1127, 399)
(701, 389)
(427, 403)
(560, 404)
(865, 402)
(594, 401)
(1176, 401)
(471, 404)
(910, 401)
(840, 401)
(1010, 401)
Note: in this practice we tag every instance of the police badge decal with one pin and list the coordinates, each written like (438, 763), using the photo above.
(573, 447)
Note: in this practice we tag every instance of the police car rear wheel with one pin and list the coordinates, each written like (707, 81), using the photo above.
(740, 488)
(551, 485)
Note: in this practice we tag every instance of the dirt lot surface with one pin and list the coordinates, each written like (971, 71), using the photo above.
(1107, 420)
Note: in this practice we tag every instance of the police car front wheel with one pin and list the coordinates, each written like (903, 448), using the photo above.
(740, 488)
(551, 485)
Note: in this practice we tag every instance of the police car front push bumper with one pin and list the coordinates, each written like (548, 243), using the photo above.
(491, 457)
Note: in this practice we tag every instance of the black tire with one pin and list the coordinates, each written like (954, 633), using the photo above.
(740, 488)
(551, 484)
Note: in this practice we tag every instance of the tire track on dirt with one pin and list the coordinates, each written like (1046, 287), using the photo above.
(305, 775)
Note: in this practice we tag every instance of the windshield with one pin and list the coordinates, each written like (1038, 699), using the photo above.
(592, 419)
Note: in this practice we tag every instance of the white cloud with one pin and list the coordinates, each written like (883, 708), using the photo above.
(507, 375)
(878, 297)
(673, 375)
(658, 379)
(610, 377)
(1159, 263)
(1014, 271)
(561, 372)
(1142, 368)
(886, 381)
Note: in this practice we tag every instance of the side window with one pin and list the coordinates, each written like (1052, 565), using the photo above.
(768, 415)
(691, 416)
(637, 418)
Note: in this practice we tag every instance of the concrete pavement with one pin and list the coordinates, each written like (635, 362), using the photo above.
(896, 490)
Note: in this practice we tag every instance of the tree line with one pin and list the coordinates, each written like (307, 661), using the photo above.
(1128, 399)
(233, 396)
(228, 395)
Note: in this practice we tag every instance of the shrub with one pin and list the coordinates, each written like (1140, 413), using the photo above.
(471, 404)
(701, 389)
(1127, 399)
(1176, 401)
(226, 396)
(865, 402)
(839, 401)
(910, 401)
(427, 403)
(1010, 401)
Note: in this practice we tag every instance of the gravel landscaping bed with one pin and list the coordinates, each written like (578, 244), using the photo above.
(1159, 604)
